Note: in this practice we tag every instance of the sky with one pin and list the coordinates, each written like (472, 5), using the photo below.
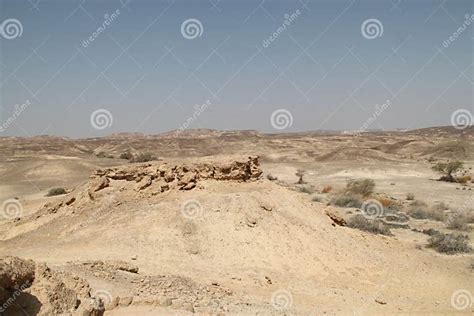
(90, 68)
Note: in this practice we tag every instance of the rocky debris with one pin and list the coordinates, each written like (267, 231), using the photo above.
(337, 219)
(47, 292)
(16, 272)
(182, 177)
(153, 178)
(111, 265)
(183, 293)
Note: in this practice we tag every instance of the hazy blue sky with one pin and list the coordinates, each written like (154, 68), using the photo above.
(320, 69)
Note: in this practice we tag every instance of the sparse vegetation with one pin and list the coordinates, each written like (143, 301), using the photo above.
(56, 191)
(419, 210)
(458, 222)
(300, 173)
(410, 197)
(449, 243)
(363, 187)
(326, 189)
(371, 226)
(306, 189)
(316, 199)
(448, 169)
(347, 200)
(126, 155)
(143, 157)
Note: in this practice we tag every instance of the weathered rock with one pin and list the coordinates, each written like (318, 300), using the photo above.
(16, 272)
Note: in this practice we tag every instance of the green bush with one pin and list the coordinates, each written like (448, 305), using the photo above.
(371, 226)
(447, 169)
(449, 243)
(56, 191)
(347, 200)
(363, 187)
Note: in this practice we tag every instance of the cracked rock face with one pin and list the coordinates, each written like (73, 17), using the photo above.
(181, 177)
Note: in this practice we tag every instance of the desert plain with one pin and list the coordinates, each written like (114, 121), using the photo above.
(236, 222)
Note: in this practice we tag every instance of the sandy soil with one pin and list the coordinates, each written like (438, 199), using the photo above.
(237, 244)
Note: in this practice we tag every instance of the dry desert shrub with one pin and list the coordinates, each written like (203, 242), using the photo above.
(56, 191)
(363, 187)
(387, 203)
(144, 157)
(326, 189)
(126, 155)
(448, 169)
(305, 189)
(371, 226)
(449, 243)
(410, 197)
(458, 222)
(420, 210)
(463, 179)
(347, 200)
(300, 173)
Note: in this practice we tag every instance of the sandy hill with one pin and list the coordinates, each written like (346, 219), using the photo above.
(211, 236)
